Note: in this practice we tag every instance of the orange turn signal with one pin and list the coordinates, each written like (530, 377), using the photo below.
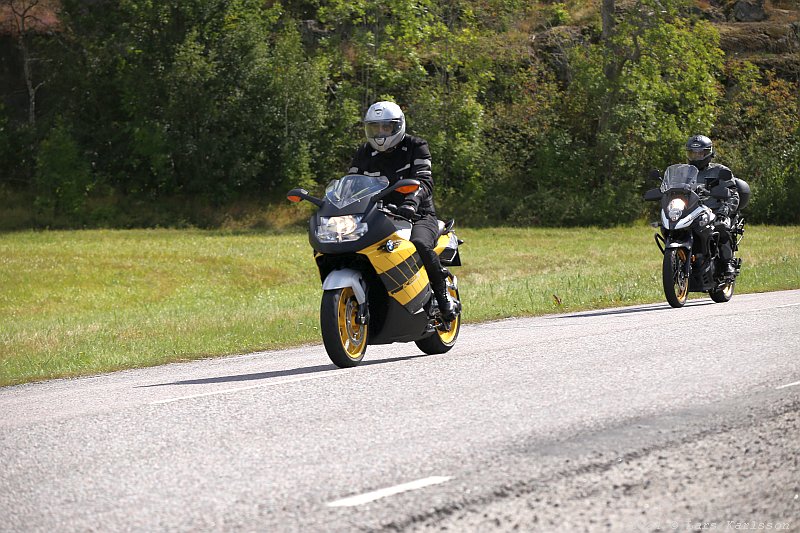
(294, 198)
(406, 189)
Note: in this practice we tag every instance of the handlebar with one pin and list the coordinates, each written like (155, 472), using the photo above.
(391, 209)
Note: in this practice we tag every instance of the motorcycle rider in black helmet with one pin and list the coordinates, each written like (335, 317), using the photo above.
(392, 153)
(700, 151)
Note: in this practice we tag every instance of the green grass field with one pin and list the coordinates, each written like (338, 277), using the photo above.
(82, 302)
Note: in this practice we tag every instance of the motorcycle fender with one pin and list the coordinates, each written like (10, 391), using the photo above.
(683, 244)
(680, 244)
(346, 277)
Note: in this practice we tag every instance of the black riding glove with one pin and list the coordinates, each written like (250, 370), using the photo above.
(407, 210)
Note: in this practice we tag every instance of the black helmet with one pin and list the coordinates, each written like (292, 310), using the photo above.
(699, 150)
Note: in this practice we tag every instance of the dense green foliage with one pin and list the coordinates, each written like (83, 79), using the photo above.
(222, 100)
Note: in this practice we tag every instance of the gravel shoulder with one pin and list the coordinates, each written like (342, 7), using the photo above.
(734, 466)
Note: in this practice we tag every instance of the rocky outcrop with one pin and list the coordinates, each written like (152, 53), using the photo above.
(771, 45)
(760, 37)
(763, 32)
(748, 11)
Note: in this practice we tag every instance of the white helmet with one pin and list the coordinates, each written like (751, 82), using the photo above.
(384, 125)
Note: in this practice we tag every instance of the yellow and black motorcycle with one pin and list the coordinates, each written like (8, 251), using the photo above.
(375, 287)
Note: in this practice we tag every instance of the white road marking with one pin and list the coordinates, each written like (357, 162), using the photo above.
(389, 491)
(788, 385)
(226, 391)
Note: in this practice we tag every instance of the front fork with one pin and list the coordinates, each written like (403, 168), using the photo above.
(666, 243)
(362, 315)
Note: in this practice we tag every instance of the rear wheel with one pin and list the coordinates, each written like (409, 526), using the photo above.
(442, 341)
(344, 338)
(676, 282)
(724, 293)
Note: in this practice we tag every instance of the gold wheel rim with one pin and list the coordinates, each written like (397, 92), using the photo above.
(681, 282)
(448, 337)
(352, 335)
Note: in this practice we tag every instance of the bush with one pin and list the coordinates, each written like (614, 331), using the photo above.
(557, 15)
(63, 177)
(759, 130)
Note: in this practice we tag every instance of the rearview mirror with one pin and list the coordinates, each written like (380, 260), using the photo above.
(296, 195)
(720, 192)
(652, 195)
(654, 174)
(402, 186)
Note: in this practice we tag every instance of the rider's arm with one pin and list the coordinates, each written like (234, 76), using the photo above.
(421, 171)
(732, 202)
(357, 165)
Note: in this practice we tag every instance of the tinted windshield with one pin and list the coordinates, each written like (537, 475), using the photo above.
(354, 187)
(677, 176)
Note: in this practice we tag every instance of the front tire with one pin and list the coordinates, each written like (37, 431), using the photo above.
(676, 282)
(344, 338)
(442, 341)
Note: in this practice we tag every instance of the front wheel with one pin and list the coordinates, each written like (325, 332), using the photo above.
(676, 282)
(344, 338)
(442, 341)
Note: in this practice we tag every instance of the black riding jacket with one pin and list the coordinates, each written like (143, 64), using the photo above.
(709, 177)
(410, 159)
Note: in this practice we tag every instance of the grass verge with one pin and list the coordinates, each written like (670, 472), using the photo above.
(82, 302)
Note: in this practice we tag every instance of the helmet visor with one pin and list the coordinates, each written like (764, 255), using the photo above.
(698, 155)
(382, 129)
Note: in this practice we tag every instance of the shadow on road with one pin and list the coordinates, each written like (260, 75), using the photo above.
(277, 373)
(629, 310)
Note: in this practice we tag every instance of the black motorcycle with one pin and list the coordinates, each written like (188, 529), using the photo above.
(375, 288)
(689, 237)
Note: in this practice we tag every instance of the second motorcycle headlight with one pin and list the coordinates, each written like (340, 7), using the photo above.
(343, 228)
(675, 208)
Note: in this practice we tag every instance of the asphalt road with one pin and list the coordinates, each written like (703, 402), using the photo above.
(643, 418)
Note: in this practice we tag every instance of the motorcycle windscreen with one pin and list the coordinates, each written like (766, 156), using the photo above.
(678, 176)
(401, 272)
(354, 187)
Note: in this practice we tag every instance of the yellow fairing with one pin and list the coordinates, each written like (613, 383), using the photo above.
(443, 241)
(400, 270)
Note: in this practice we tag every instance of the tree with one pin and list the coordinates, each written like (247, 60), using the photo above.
(637, 95)
(29, 18)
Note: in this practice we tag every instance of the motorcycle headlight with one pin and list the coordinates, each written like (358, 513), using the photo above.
(343, 228)
(675, 208)
(702, 220)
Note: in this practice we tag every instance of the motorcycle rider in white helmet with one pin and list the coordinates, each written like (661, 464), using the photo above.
(392, 153)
